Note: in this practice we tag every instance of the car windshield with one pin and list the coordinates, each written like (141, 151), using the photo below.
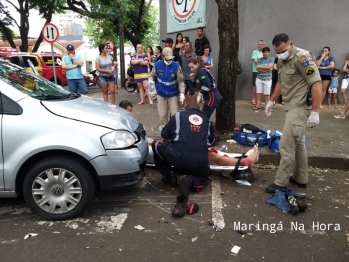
(29, 83)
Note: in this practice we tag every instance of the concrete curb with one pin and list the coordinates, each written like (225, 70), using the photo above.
(313, 161)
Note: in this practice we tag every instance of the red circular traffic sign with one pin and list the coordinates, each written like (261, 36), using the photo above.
(109, 44)
(50, 33)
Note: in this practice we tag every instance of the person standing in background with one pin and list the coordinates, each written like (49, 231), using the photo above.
(140, 62)
(325, 63)
(72, 63)
(256, 54)
(207, 59)
(178, 46)
(200, 42)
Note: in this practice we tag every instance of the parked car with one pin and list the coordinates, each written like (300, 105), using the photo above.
(47, 67)
(21, 59)
(59, 147)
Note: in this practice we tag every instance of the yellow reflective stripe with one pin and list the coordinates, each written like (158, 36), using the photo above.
(139, 76)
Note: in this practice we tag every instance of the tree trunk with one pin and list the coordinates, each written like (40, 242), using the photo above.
(228, 31)
(24, 24)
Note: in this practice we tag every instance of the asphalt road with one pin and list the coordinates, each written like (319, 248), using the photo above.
(106, 231)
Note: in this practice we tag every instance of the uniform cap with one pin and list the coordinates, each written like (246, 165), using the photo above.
(167, 53)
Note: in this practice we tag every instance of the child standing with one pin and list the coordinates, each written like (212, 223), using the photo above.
(332, 90)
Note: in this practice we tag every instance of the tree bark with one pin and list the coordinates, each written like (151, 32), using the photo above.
(228, 31)
(24, 24)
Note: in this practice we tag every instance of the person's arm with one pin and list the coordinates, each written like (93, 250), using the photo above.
(266, 68)
(145, 62)
(169, 128)
(135, 61)
(277, 92)
(67, 67)
(329, 66)
(345, 67)
(312, 76)
(204, 81)
(152, 74)
(254, 57)
(319, 59)
(100, 70)
(275, 67)
(78, 60)
(180, 80)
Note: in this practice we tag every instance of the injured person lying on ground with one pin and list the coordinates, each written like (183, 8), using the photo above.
(184, 149)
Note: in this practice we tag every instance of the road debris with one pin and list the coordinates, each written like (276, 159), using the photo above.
(194, 239)
(30, 235)
(139, 227)
(235, 249)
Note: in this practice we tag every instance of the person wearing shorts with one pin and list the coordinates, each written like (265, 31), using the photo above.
(256, 54)
(104, 65)
(264, 77)
(189, 85)
(72, 63)
(345, 81)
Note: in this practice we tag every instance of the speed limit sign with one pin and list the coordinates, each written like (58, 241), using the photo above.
(109, 44)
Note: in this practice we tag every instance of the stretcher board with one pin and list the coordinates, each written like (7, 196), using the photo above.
(215, 167)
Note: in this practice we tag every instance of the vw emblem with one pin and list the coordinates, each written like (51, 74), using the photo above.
(57, 190)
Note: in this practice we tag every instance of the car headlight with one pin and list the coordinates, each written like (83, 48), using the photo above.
(119, 139)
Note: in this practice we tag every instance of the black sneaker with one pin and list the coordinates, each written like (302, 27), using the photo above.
(291, 180)
(180, 208)
(170, 179)
(273, 188)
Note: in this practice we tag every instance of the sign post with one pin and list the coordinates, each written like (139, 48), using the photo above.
(50, 34)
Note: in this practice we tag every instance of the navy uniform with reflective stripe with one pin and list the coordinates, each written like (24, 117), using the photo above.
(211, 95)
(187, 137)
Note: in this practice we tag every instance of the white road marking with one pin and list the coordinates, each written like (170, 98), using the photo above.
(217, 204)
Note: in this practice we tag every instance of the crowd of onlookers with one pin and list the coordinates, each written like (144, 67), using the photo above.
(265, 77)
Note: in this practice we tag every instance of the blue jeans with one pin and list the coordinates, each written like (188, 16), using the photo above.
(77, 84)
(107, 79)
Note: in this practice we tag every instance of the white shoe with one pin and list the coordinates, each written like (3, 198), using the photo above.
(339, 116)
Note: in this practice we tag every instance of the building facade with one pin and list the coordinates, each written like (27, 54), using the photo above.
(311, 25)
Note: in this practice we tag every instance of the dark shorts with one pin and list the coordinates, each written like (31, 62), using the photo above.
(189, 87)
(254, 76)
(325, 77)
(75, 85)
(106, 79)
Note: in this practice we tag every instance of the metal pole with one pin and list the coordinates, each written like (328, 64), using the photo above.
(53, 64)
(122, 53)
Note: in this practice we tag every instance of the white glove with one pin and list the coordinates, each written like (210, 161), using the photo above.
(181, 98)
(198, 98)
(313, 119)
(269, 108)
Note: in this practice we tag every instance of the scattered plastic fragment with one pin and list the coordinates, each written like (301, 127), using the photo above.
(235, 249)
(30, 235)
(122, 209)
(243, 183)
(139, 227)
(210, 223)
(194, 239)
(231, 141)
(218, 229)
(241, 232)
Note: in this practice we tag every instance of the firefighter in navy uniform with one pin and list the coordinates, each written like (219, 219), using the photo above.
(208, 88)
(186, 139)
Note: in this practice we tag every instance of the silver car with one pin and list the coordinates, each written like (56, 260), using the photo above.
(57, 148)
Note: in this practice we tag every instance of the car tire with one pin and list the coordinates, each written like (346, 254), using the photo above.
(58, 188)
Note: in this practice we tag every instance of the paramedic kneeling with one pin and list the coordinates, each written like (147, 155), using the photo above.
(186, 139)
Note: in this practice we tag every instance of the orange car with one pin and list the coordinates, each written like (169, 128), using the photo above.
(21, 59)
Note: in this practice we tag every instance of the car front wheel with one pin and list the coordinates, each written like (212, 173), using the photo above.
(58, 188)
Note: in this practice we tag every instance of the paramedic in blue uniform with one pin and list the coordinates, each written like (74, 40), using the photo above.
(186, 139)
(208, 89)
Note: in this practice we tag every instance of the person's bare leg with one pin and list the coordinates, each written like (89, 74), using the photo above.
(112, 92)
(141, 92)
(325, 83)
(105, 92)
(214, 158)
(146, 89)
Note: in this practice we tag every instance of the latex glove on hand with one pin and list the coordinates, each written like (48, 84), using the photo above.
(181, 98)
(313, 119)
(269, 108)
(198, 98)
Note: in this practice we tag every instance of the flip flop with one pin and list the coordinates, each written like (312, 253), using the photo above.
(256, 108)
(141, 103)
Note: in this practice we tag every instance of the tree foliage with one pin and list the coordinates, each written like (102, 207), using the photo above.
(228, 31)
(45, 7)
(133, 15)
